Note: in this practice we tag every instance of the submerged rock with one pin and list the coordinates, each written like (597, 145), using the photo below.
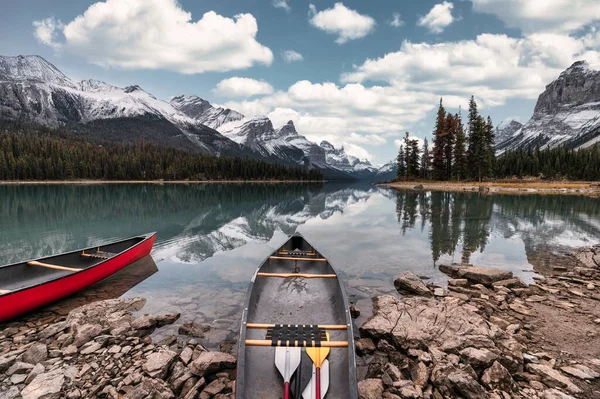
(411, 283)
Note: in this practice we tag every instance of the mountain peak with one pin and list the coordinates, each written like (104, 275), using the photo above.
(326, 145)
(32, 67)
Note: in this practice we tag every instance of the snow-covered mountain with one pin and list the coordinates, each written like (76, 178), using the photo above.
(386, 172)
(204, 112)
(33, 89)
(506, 129)
(566, 113)
(338, 158)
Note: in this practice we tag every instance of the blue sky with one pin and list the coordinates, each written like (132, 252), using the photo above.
(368, 71)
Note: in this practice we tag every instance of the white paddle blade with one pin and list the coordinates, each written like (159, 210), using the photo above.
(287, 361)
(310, 392)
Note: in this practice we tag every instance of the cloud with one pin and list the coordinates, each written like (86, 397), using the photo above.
(438, 18)
(559, 16)
(291, 56)
(342, 21)
(396, 22)
(46, 31)
(357, 151)
(492, 67)
(242, 87)
(158, 34)
(371, 139)
(282, 4)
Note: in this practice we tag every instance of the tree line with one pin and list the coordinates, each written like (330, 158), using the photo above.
(63, 156)
(456, 154)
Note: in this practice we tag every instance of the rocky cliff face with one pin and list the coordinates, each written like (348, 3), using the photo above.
(203, 112)
(567, 113)
(506, 130)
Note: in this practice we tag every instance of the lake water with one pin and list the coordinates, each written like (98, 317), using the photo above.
(212, 237)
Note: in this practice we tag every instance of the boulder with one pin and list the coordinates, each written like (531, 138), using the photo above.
(412, 284)
(478, 358)
(211, 362)
(552, 378)
(86, 333)
(371, 388)
(36, 353)
(165, 319)
(45, 385)
(144, 322)
(193, 329)
(149, 388)
(510, 283)
(589, 257)
(99, 312)
(365, 346)
(158, 363)
(476, 275)
(498, 377)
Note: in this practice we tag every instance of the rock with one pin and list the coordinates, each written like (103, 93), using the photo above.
(165, 319)
(193, 392)
(354, 312)
(365, 346)
(215, 387)
(90, 347)
(210, 362)
(37, 370)
(478, 358)
(45, 386)
(158, 363)
(54, 329)
(466, 386)
(484, 275)
(498, 377)
(458, 282)
(148, 388)
(36, 353)
(580, 371)
(186, 355)
(69, 350)
(16, 379)
(193, 329)
(411, 283)
(419, 374)
(510, 283)
(6, 361)
(552, 378)
(19, 368)
(86, 333)
(555, 394)
(371, 388)
(530, 358)
(144, 322)
(12, 393)
(417, 322)
(589, 257)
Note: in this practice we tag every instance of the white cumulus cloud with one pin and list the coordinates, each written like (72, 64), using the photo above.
(158, 34)
(346, 23)
(542, 15)
(242, 87)
(397, 21)
(282, 4)
(438, 18)
(291, 56)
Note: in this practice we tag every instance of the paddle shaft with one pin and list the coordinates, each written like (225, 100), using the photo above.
(318, 377)
(286, 390)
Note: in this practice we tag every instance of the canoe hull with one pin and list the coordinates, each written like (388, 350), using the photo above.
(25, 300)
(298, 300)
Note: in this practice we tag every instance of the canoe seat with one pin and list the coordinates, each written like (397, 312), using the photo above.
(324, 326)
(305, 344)
(290, 275)
(55, 267)
(298, 258)
(98, 255)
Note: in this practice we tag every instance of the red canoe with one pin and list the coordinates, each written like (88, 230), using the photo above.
(28, 285)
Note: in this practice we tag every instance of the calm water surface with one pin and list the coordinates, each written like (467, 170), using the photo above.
(212, 237)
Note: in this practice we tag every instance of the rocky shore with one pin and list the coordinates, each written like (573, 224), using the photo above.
(102, 350)
(484, 335)
(574, 188)
(487, 335)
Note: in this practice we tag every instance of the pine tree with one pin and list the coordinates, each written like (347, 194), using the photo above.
(425, 160)
(438, 144)
(400, 163)
(460, 158)
(449, 139)
(490, 152)
(414, 158)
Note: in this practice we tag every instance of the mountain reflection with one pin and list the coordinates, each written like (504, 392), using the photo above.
(465, 221)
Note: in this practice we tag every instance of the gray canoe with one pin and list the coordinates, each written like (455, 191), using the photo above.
(294, 301)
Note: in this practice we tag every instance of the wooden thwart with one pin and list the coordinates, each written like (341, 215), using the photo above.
(324, 344)
(303, 275)
(325, 326)
(49, 266)
(298, 258)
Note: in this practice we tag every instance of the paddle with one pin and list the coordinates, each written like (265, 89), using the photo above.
(318, 356)
(310, 390)
(287, 360)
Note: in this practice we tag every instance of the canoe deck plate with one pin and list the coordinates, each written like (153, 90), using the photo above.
(288, 333)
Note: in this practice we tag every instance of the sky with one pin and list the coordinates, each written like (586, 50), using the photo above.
(356, 73)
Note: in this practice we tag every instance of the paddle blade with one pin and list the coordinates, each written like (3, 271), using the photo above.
(310, 390)
(287, 361)
(318, 355)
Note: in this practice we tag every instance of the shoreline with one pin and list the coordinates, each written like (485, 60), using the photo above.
(501, 187)
(485, 335)
(95, 182)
